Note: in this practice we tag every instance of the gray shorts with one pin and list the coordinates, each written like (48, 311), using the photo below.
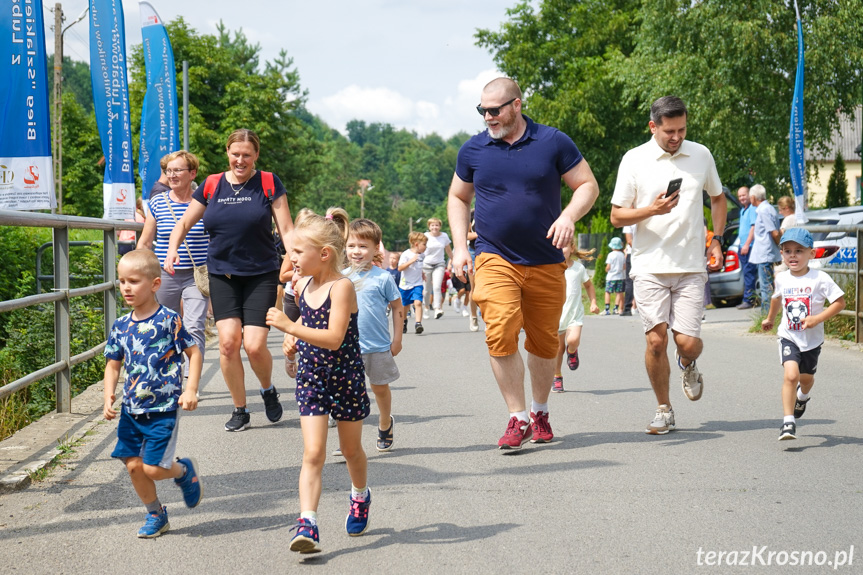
(381, 368)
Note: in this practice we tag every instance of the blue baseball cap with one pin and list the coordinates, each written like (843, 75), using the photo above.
(616, 244)
(798, 236)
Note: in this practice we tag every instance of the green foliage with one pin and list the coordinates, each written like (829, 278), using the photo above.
(599, 271)
(837, 185)
(29, 345)
(230, 89)
(76, 80)
(18, 265)
(83, 166)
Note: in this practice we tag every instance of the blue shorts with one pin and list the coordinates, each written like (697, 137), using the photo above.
(411, 295)
(150, 436)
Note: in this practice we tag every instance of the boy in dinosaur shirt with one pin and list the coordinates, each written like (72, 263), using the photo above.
(149, 342)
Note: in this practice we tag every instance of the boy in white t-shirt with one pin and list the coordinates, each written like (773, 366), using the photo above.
(615, 269)
(411, 283)
(801, 292)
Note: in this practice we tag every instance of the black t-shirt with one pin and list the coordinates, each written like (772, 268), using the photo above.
(240, 227)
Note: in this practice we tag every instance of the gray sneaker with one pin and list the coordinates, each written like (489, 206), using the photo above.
(693, 383)
(663, 422)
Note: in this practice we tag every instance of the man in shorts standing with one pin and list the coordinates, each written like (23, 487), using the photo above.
(668, 261)
(514, 169)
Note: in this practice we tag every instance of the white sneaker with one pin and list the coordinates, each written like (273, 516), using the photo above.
(465, 312)
(425, 313)
(693, 382)
(457, 306)
(663, 421)
(474, 325)
(438, 313)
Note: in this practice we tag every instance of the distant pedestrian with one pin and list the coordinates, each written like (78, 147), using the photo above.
(629, 302)
(801, 294)
(149, 342)
(615, 269)
(330, 378)
(572, 317)
(765, 245)
(393, 267)
(745, 235)
(411, 285)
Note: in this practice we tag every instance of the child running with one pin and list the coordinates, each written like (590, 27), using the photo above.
(572, 317)
(376, 291)
(615, 268)
(149, 342)
(330, 377)
(801, 292)
(411, 285)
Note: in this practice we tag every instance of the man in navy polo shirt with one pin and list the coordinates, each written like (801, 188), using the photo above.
(514, 170)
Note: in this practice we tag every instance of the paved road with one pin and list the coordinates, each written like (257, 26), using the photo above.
(603, 498)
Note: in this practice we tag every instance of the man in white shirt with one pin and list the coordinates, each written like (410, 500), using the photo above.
(668, 256)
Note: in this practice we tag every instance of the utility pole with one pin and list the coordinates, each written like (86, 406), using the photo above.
(58, 98)
(58, 105)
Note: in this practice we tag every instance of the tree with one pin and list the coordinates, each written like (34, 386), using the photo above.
(228, 89)
(734, 64)
(837, 185)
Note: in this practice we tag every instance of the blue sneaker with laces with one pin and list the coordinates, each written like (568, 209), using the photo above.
(358, 517)
(307, 539)
(190, 483)
(155, 525)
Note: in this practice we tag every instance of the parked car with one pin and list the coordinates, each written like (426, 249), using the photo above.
(726, 286)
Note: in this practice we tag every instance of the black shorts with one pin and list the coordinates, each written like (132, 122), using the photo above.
(806, 360)
(245, 297)
(460, 285)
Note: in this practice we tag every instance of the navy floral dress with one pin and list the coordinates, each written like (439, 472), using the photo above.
(331, 381)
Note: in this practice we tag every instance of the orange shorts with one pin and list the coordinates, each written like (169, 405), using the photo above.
(512, 297)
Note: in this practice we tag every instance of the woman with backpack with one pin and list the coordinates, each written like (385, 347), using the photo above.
(238, 207)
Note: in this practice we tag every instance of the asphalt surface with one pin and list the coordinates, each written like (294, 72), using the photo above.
(602, 498)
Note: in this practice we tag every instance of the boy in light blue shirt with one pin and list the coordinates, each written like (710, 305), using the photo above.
(376, 291)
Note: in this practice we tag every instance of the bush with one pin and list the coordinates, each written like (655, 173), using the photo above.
(29, 346)
(837, 185)
(599, 272)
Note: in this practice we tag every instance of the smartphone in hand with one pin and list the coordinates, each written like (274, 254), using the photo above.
(673, 187)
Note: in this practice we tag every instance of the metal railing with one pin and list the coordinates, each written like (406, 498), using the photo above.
(62, 295)
(857, 312)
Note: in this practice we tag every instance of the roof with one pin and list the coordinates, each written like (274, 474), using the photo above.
(845, 140)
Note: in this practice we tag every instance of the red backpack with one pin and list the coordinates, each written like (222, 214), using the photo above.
(266, 181)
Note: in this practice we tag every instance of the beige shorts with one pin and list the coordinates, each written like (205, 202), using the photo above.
(673, 299)
(381, 368)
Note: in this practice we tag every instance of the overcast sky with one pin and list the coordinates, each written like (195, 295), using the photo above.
(410, 63)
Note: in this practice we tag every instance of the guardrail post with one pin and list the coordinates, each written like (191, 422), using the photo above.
(62, 352)
(109, 265)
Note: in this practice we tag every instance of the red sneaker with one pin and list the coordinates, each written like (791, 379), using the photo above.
(541, 428)
(517, 433)
(572, 360)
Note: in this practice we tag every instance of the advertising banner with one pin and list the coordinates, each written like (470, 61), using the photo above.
(160, 124)
(111, 100)
(26, 168)
(795, 134)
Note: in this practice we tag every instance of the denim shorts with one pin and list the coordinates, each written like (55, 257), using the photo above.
(150, 436)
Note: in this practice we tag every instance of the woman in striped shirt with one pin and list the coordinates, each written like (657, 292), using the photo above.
(182, 167)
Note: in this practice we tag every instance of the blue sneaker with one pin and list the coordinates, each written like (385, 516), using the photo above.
(358, 517)
(190, 483)
(306, 540)
(156, 524)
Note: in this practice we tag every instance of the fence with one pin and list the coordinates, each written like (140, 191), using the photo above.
(62, 295)
(857, 312)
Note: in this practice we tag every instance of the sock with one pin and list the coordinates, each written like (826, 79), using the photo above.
(359, 494)
(538, 407)
(521, 415)
(263, 389)
(606, 307)
(558, 375)
(185, 471)
(788, 419)
(802, 396)
(154, 507)
(310, 516)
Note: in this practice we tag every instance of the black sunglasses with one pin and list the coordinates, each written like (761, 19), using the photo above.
(495, 112)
